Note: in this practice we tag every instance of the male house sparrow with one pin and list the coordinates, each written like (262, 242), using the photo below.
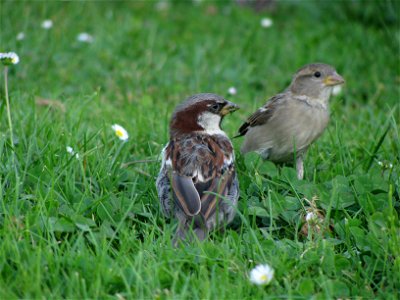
(197, 182)
(290, 121)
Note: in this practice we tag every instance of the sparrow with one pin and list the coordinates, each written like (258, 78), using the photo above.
(283, 129)
(197, 182)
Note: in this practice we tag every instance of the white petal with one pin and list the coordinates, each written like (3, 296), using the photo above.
(337, 89)
(162, 5)
(266, 22)
(47, 24)
(85, 37)
(9, 58)
(232, 91)
(70, 150)
(262, 274)
(120, 132)
(20, 36)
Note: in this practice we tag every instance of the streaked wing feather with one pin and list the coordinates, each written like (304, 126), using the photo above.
(186, 194)
(219, 186)
(261, 115)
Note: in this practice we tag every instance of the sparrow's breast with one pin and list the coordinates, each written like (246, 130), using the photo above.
(294, 129)
(311, 123)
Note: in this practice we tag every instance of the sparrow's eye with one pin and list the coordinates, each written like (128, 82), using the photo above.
(317, 74)
(215, 107)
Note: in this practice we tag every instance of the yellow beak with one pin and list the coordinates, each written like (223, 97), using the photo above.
(334, 79)
(228, 108)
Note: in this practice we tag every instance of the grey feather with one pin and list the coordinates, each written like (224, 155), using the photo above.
(291, 121)
(186, 194)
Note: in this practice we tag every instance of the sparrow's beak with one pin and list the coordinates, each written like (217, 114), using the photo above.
(228, 108)
(334, 79)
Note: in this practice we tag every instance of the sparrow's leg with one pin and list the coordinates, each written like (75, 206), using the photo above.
(300, 167)
(199, 227)
(180, 235)
(200, 233)
(184, 233)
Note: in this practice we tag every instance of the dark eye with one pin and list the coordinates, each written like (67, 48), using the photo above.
(317, 74)
(215, 107)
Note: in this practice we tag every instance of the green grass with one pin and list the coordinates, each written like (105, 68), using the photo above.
(89, 228)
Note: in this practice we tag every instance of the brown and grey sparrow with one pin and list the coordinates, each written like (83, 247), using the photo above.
(289, 122)
(197, 182)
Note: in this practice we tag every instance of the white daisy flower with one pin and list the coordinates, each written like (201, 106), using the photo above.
(84, 37)
(120, 132)
(71, 151)
(9, 58)
(337, 90)
(162, 5)
(20, 36)
(232, 91)
(47, 24)
(262, 274)
(385, 164)
(266, 22)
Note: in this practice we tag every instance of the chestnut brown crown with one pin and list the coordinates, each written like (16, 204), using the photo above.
(188, 115)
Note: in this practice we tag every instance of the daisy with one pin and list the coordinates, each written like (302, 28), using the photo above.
(85, 37)
(20, 36)
(71, 151)
(337, 90)
(385, 164)
(162, 5)
(47, 24)
(262, 274)
(120, 132)
(232, 91)
(266, 22)
(9, 58)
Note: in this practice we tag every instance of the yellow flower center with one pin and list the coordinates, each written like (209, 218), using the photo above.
(263, 277)
(119, 133)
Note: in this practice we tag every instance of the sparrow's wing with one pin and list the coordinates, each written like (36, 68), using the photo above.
(261, 115)
(219, 187)
(186, 194)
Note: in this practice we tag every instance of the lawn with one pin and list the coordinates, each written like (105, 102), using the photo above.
(90, 225)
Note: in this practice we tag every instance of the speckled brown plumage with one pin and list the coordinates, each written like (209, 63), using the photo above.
(197, 182)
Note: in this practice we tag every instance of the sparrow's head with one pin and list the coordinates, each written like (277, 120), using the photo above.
(315, 81)
(201, 112)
